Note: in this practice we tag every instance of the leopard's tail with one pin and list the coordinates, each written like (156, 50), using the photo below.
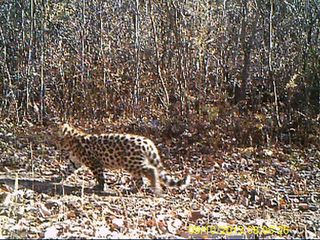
(166, 178)
(172, 181)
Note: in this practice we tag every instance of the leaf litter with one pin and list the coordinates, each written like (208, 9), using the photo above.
(270, 187)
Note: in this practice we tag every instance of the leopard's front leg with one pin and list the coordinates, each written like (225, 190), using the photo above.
(65, 173)
(69, 169)
(97, 169)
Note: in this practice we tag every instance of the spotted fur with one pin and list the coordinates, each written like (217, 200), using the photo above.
(136, 154)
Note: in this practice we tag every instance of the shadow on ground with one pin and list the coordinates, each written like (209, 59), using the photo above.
(51, 188)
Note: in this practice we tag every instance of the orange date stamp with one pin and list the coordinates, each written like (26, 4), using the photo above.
(239, 229)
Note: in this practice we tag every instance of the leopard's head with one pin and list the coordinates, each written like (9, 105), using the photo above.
(68, 131)
(62, 134)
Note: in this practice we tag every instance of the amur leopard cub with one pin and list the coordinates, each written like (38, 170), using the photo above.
(136, 154)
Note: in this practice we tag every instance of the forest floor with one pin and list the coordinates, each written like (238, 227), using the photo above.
(270, 192)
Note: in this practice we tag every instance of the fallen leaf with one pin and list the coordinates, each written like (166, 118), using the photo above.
(118, 223)
(51, 232)
(195, 215)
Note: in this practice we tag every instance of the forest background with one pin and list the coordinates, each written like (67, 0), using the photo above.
(235, 72)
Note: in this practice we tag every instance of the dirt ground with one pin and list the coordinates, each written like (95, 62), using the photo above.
(270, 192)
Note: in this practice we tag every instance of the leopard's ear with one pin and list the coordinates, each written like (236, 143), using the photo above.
(65, 128)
